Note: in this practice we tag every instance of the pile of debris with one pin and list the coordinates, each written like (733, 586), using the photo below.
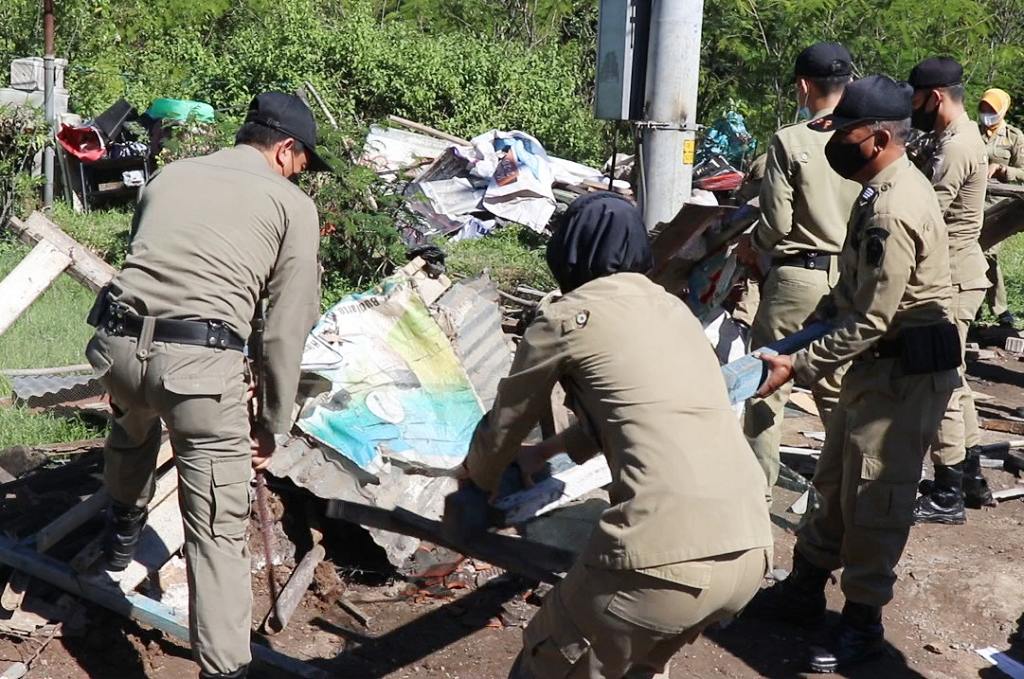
(464, 189)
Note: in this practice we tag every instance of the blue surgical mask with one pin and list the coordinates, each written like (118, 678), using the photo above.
(989, 120)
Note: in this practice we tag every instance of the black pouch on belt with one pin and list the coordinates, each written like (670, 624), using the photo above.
(99, 307)
(930, 349)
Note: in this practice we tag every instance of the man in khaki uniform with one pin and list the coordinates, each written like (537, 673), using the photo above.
(959, 174)
(687, 539)
(804, 209)
(1004, 145)
(892, 320)
(210, 236)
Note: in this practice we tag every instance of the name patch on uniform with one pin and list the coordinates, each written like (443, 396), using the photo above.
(874, 248)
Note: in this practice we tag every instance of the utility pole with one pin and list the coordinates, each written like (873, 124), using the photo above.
(668, 131)
(48, 103)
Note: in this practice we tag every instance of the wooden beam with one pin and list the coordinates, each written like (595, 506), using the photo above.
(29, 279)
(63, 525)
(136, 606)
(87, 268)
(744, 376)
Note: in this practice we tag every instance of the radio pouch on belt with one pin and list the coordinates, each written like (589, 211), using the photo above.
(930, 349)
(99, 307)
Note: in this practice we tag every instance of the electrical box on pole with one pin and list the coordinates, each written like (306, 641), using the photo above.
(622, 40)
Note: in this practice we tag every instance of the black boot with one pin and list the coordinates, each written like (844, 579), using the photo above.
(976, 492)
(800, 598)
(124, 528)
(945, 502)
(240, 673)
(859, 636)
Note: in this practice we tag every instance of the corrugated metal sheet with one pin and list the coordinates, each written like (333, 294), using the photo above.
(470, 315)
(41, 391)
(471, 310)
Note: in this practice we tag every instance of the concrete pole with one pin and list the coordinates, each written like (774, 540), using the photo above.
(48, 103)
(667, 137)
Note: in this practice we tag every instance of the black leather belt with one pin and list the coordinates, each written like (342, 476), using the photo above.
(212, 334)
(806, 260)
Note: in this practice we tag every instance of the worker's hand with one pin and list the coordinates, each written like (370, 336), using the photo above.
(745, 251)
(262, 445)
(780, 371)
(532, 458)
(997, 171)
(464, 480)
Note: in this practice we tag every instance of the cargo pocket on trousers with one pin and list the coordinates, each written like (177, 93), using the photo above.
(884, 504)
(558, 651)
(229, 513)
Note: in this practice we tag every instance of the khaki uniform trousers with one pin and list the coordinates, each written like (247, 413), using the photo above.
(868, 473)
(610, 624)
(959, 429)
(789, 295)
(996, 295)
(199, 393)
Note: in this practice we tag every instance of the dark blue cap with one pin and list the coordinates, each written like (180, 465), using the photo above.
(876, 97)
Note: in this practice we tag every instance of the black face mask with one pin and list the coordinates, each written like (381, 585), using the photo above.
(845, 159)
(924, 120)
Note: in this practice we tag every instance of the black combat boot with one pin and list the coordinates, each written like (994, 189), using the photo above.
(976, 492)
(859, 636)
(124, 528)
(945, 502)
(240, 673)
(800, 598)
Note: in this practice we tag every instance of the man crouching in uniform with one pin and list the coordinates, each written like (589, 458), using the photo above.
(211, 235)
(892, 319)
(656, 570)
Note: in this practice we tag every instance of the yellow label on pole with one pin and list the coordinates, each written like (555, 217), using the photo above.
(688, 151)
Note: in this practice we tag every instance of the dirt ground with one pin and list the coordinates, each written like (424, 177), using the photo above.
(959, 588)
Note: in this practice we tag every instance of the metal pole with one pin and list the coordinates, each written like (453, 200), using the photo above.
(667, 135)
(48, 103)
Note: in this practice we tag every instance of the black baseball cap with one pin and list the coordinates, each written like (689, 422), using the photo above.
(823, 60)
(876, 97)
(936, 72)
(290, 115)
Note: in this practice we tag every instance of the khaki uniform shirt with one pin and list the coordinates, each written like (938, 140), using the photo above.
(894, 270)
(649, 392)
(804, 204)
(1005, 147)
(212, 233)
(959, 174)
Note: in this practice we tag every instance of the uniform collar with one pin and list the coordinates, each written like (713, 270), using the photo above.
(822, 113)
(958, 125)
(884, 179)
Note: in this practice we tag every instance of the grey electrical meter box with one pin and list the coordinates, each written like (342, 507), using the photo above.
(622, 36)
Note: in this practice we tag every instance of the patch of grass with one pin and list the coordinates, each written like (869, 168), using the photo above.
(52, 332)
(1011, 262)
(514, 256)
(21, 427)
(105, 232)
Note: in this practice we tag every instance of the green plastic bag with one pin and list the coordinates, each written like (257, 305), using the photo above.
(181, 109)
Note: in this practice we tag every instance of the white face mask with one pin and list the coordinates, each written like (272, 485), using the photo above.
(989, 119)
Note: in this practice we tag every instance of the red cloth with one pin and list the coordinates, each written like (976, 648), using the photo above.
(85, 143)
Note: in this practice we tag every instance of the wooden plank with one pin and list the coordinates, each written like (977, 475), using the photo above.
(86, 267)
(1006, 426)
(136, 606)
(744, 376)
(29, 279)
(513, 554)
(62, 526)
(1007, 494)
(419, 127)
